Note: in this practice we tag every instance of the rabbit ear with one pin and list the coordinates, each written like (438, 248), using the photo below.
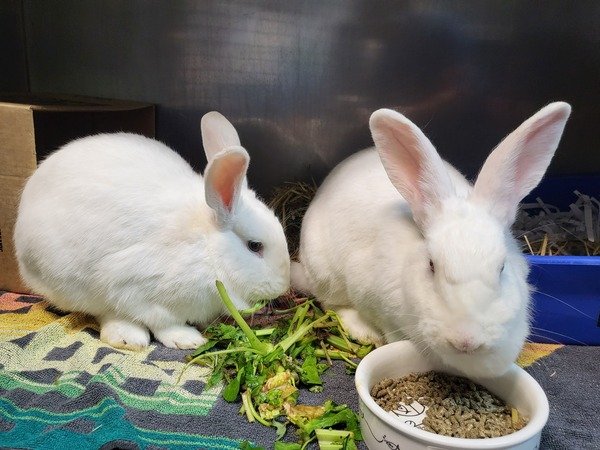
(519, 162)
(411, 162)
(217, 134)
(223, 181)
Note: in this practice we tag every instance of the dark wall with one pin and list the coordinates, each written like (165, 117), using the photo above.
(13, 58)
(300, 78)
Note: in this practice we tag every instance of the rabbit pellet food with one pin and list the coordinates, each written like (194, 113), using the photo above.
(457, 407)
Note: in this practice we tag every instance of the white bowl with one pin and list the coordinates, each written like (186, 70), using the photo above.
(384, 430)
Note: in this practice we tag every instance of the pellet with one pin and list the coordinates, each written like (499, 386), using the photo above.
(457, 406)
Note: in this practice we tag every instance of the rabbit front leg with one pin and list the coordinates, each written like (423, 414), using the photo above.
(179, 336)
(123, 333)
(171, 330)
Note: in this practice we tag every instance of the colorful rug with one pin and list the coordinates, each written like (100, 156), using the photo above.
(62, 388)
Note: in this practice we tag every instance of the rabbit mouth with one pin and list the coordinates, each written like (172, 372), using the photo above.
(467, 347)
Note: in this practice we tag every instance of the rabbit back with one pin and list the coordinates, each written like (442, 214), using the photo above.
(95, 223)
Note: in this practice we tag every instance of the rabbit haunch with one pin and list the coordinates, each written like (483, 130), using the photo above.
(119, 226)
(401, 245)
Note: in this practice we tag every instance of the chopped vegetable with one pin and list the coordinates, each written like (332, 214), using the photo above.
(263, 369)
(335, 439)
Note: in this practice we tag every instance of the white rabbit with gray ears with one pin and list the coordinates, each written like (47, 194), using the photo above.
(119, 226)
(402, 246)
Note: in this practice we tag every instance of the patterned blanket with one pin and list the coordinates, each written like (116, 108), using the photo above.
(62, 388)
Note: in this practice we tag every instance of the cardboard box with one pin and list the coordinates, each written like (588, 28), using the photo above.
(33, 126)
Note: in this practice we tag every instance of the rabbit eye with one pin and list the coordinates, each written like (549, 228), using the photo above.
(255, 246)
(431, 266)
(502, 268)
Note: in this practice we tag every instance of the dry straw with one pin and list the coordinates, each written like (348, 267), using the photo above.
(290, 202)
(546, 230)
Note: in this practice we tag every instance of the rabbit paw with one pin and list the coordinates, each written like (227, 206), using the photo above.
(180, 336)
(124, 334)
(358, 328)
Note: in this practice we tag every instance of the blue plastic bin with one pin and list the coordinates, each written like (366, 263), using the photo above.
(566, 299)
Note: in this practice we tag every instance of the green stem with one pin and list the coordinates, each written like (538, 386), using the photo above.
(247, 400)
(257, 307)
(299, 333)
(305, 444)
(341, 344)
(333, 439)
(333, 354)
(265, 331)
(298, 318)
(349, 361)
(215, 353)
(293, 308)
(327, 324)
(247, 407)
(344, 333)
(222, 352)
(256, 343)
(325, 352)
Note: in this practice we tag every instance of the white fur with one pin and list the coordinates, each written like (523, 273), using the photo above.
(366, 243)
(119, 226)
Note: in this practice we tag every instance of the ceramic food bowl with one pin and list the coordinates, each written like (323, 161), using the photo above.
(387, 430)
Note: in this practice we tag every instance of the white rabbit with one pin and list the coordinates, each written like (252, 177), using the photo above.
(428, 257)
(119, 226)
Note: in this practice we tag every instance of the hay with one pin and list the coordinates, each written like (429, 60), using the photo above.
(544, 229)
(290, 202)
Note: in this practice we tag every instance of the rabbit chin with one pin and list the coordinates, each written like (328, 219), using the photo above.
(484, 365)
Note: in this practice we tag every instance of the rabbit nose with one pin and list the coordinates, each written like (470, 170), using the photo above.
(465, 344)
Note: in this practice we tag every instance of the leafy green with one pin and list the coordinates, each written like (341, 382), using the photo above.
(203, 348)
(310, 372)
(264, 368)
(281, 429)
(335, 417)
(232, 390)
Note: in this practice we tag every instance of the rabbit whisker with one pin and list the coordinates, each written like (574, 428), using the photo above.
(553, 341)
(554, 332)
(563, 302)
